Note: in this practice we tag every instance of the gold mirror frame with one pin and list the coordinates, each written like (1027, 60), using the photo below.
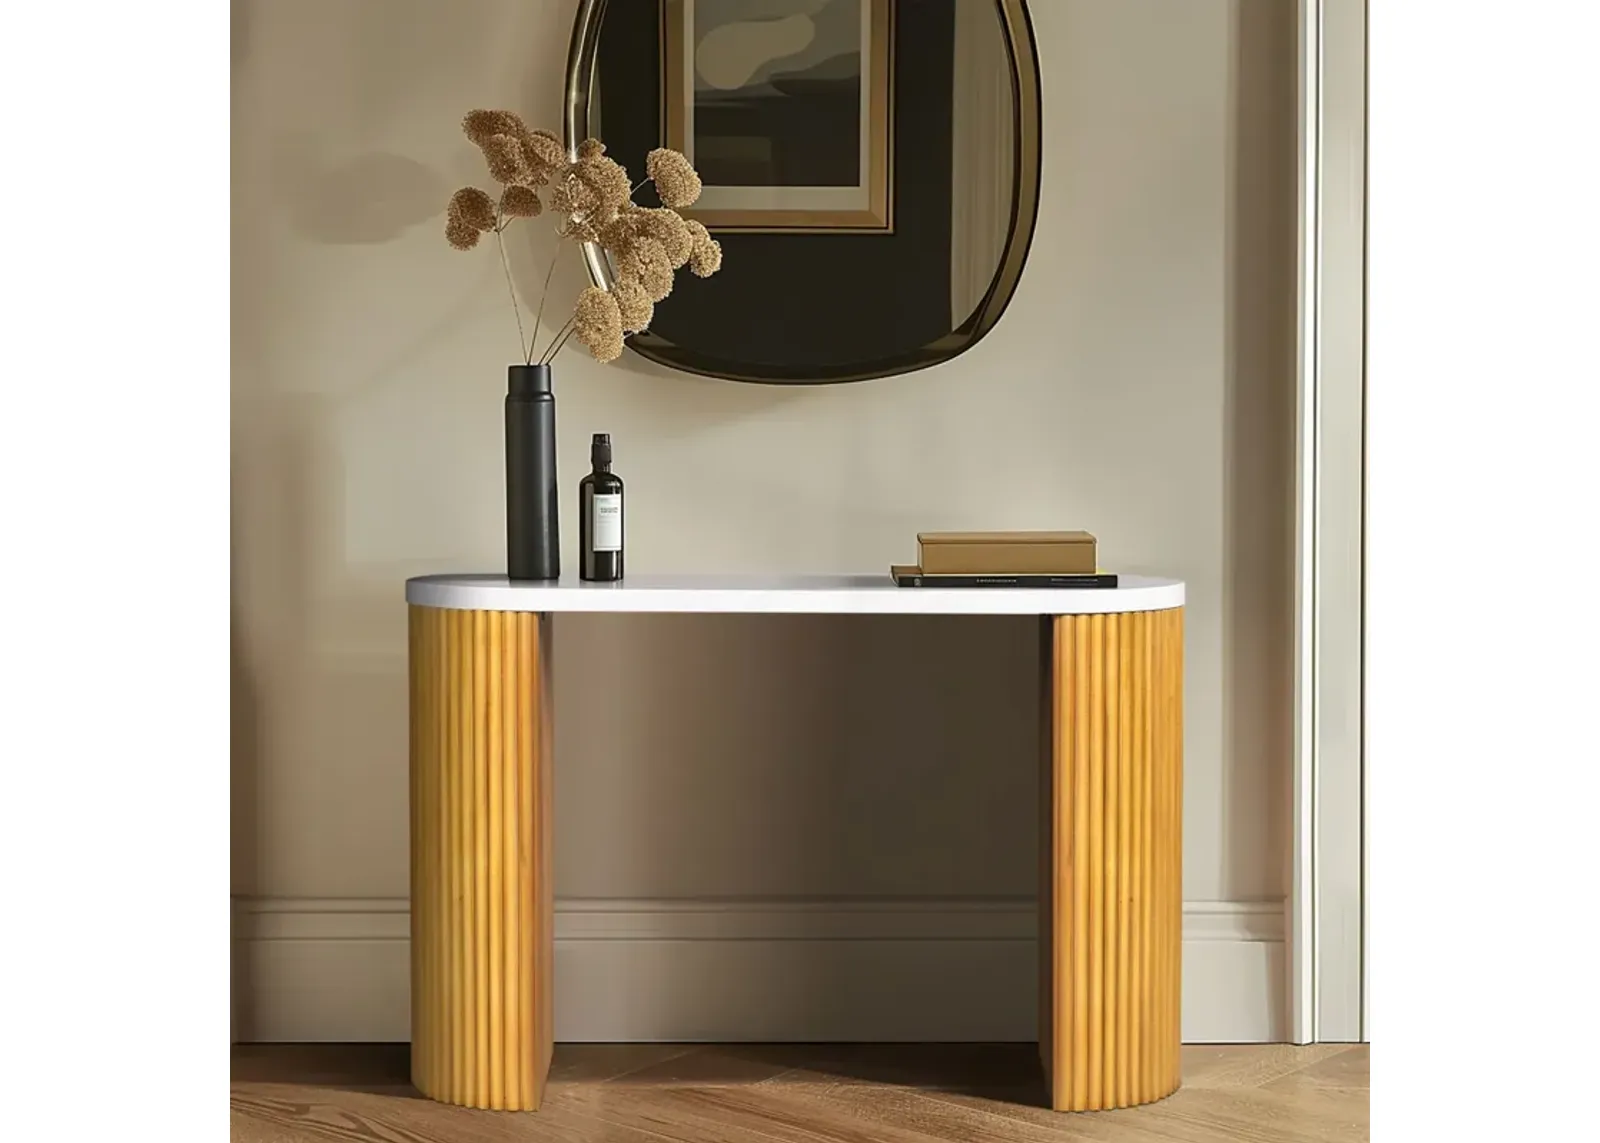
(1022, 56)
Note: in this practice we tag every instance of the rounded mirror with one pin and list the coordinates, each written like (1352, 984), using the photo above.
(870, 167)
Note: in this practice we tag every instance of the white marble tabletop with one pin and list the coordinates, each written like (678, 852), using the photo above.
(871, 593)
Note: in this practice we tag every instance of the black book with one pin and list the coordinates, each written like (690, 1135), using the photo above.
(914, 577)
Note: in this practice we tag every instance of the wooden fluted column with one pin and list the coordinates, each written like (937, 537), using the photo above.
(1111, 847)
(482, 934)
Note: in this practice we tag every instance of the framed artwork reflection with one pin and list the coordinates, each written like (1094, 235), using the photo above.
(785, 109)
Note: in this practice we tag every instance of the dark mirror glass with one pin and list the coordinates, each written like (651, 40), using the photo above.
(870, 167)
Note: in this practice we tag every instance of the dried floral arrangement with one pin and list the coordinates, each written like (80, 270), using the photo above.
(591, 199)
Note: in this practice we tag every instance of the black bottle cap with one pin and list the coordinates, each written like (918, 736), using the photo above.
(600, 449)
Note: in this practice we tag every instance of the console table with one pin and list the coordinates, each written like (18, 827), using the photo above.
(1111, 796)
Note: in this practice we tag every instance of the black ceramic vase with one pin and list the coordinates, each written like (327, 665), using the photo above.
(533, 532)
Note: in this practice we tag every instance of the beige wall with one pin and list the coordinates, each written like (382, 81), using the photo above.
(1138, 386)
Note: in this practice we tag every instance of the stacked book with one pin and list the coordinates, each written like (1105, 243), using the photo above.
(1004, 559)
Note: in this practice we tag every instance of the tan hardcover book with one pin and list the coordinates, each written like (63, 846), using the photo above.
(1007, 553)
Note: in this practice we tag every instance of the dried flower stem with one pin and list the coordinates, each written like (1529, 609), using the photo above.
(516, 307)
(560, 336)
(562, 344)
(544, 293)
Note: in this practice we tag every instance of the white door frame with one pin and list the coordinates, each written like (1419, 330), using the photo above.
(1326, 901)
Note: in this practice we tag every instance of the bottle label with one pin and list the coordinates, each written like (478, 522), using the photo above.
(606, 527)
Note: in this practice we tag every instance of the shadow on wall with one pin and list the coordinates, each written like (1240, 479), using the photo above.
(1258, 504)
(834, 759)
(243, 768)
(366, 199)
(796, 756)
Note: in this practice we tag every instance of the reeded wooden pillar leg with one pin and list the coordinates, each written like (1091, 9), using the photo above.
(1111, 848)
(481, 890)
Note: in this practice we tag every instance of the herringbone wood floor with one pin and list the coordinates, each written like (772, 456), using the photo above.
(803, 1093)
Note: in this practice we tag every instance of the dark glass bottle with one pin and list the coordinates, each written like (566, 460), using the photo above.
(600, 515)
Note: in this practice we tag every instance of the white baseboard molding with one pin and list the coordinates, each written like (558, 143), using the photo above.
(902, 970)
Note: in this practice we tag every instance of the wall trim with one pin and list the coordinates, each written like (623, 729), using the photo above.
(336, 969)
(1327, 971)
